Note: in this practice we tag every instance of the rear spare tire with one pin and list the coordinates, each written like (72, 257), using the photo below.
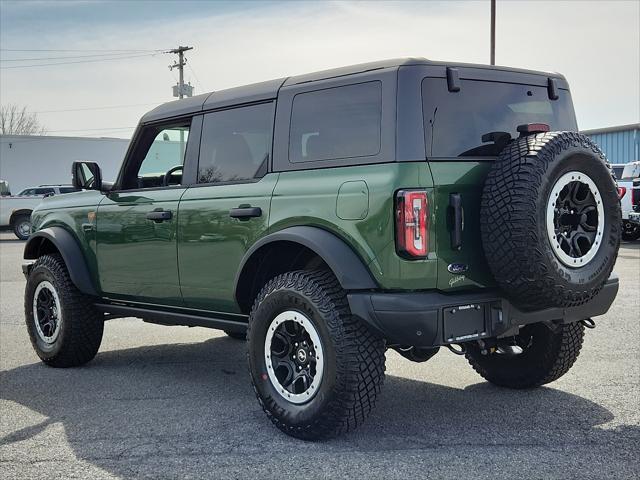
(550, 220)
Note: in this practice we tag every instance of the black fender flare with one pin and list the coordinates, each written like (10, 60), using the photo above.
(71, 253)
(346, 265)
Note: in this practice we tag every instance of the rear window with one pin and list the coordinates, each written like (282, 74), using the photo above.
(340, 122)
(456, 122)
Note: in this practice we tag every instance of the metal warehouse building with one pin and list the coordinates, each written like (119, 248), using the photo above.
(620, 144)
(29, 161)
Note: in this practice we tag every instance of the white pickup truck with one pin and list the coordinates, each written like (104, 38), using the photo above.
(15, 213)
(629, 197)
(15, 210)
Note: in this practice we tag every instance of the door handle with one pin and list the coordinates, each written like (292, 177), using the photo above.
(457, 220)
(245, 213)
(159, 216)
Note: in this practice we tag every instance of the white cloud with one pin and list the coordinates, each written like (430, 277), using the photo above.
(596, 45)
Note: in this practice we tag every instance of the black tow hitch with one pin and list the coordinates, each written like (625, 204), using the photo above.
(588, 323)
(458, 351)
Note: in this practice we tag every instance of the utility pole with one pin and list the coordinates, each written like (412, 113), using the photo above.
(493, 32)
(182, 88)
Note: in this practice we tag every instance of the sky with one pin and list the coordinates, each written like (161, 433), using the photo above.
(596, 45)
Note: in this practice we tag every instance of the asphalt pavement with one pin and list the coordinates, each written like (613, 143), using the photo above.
(176, 402)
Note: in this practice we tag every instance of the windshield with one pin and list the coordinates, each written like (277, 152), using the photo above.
(482, 117)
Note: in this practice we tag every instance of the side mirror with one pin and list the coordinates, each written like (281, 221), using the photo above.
(86, 175)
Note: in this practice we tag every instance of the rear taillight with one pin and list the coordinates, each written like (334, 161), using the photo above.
(411, 223)
(621, 192)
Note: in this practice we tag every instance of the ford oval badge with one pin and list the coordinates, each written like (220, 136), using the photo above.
(457, 268)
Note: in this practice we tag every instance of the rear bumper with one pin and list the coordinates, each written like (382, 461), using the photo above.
(434, 318)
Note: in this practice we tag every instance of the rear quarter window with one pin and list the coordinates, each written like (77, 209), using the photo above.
(336, 123)
(456, 122)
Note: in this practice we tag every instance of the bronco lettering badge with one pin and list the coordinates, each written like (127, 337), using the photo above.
(457, 268)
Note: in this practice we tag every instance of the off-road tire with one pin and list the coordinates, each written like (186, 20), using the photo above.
(551, 355)
(82, 325)
(514, 224)
(630, 232)
(236, 335)
(354, 357)
(18, 222)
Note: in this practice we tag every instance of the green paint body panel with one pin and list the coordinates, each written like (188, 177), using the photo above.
(467, 179)
(136, 256)
(211, 244)
(192, 259)
(71, 212)
(309, 198)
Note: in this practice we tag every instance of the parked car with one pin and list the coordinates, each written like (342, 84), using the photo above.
(45, 190)
(628, 198)
(401, 204)
(15, 211)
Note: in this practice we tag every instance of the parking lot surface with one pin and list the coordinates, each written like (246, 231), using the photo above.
(176, 402)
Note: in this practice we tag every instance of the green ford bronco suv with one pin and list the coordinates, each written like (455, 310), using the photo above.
(402, 204)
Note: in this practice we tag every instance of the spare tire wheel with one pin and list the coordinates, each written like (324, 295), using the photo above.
(550, 220)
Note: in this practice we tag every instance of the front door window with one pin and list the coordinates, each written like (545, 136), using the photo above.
(160, 158)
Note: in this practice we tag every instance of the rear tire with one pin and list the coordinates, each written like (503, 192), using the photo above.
(64, 327)
(22, 226)
(630, 231)
(549, 355)
(301, 326)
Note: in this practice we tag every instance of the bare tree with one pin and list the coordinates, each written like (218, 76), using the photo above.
(15, 120)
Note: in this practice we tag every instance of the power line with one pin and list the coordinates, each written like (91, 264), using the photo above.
(196, 77)
(115, 55)
(79, 61)
(78, 50)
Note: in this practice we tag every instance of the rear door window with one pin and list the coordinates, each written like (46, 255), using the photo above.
(236, 144)
(478, 120)
(336, 123)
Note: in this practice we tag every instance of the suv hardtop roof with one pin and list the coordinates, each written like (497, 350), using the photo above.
(269, 90)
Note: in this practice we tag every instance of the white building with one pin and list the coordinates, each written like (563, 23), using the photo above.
(31, 160)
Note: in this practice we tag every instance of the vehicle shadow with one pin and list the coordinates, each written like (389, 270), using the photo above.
(155, 411)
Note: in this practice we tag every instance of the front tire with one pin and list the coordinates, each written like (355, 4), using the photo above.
(64, 327)
(545, 354)
(22, 227)
(315, 368)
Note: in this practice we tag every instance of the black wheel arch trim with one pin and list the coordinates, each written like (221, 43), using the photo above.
(70, 251)
(347, 266)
